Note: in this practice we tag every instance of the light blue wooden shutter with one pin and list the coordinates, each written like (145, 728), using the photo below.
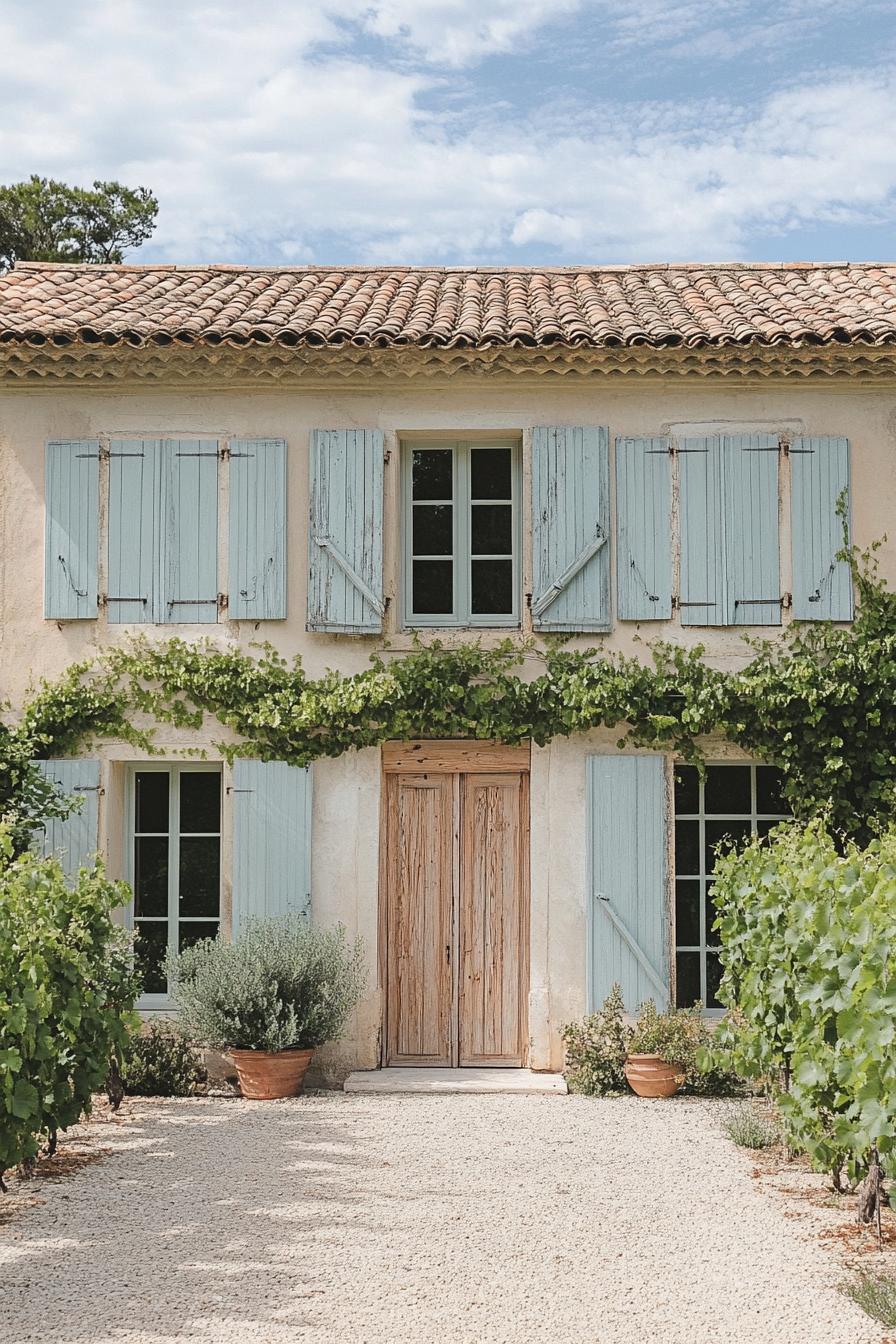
(272, 840)
(627, 846)
(190, 538)
(751, 528)
(72, 522)
(730, 561)
(257, 548)
(136, 475)
(571, 528)
(822, 584)
(74, 841)
(345, 581)
(643, 529)
(702, 512)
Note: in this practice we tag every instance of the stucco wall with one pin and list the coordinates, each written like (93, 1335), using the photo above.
(346, 791)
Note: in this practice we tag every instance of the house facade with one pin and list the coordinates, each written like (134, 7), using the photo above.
(348, 461)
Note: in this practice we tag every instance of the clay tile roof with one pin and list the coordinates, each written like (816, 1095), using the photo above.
(452, 307)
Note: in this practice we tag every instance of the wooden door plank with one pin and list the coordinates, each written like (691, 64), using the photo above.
(419, 900)
(493, 919)
(458, 756)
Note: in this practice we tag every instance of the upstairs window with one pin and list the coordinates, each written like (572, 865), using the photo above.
(461, 545)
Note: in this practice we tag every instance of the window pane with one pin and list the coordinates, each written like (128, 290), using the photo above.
(727, 789)
(200, 875)
(492, 587)
(764, 827)
(433, 593)
(492, 529)
(152, 801)
(193, 933)
(490, 473)
(713, 979)
(769, 786)
(687, 848)
(433, 529)
(687, 914)
(717, 831)
(687, 789)
(687, 978)
(200, 800)
(151, 875)
(432, 472)
(150, 949)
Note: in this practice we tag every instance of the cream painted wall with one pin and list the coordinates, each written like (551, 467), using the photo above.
(346, 791)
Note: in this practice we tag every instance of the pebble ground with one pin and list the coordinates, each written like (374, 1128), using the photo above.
(398, 1220)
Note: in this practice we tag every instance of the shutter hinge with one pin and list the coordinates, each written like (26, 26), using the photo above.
(677, 603)
(387, 456)
(224, 453)
(223, 602)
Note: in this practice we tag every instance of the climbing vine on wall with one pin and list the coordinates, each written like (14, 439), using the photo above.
(820, 702)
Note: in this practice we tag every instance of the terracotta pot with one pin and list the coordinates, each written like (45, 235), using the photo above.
(267, 1074)
(650, 1076)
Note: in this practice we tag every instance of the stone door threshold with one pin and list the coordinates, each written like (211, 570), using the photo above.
(435, 1081)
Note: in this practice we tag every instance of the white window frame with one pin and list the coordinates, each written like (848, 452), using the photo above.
(460, 615)
(174, 770)
(702, 816)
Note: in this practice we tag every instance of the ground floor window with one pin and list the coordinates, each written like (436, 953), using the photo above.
(731, 802)
(175, 829)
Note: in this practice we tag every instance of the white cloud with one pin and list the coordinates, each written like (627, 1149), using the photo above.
(456, 31)
(287, 141)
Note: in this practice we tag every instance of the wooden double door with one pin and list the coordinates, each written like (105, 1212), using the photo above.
(455, 904)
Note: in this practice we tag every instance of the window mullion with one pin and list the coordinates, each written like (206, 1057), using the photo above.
(173, 858)
(703, 885)
(463, 569)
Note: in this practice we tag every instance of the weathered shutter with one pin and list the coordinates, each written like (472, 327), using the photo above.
(72, 522)
(136, 474)
(272, 840)
(75, 839)
(571, 528)
(730, 563)
(345, 581)
(190, 536)
(643, 529)
(704, 577)
(822, 584)
(627, 833)
(751, 528)
(257, 548)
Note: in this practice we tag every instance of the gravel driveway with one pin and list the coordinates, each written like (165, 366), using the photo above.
(454, 1218)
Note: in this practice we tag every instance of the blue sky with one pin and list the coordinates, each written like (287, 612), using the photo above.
(543, 132)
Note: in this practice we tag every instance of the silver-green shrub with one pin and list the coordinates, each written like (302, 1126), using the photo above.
(283, 984)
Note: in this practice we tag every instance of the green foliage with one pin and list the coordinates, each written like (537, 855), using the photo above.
(27, 799)
(808, 930)
(160, 1061)
(596, 1050)
(749, 1127)
(283, 984)
(876, 1295)
(68, 991)
(820, 703)
(45, 220)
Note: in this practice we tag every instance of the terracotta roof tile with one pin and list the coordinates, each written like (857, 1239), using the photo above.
(460, 307)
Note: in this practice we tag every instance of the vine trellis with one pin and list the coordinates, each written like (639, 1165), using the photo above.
(819, 702)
